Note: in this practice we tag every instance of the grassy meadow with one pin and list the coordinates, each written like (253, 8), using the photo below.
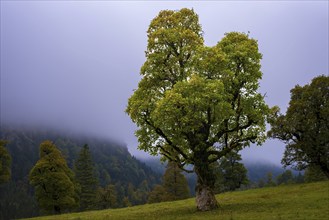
(298, 201)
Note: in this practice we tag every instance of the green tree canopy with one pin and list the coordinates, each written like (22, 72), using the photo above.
(195, 104)
(231, 174)
(85, 176)
(305, 126)
(55, 188)
(5, 163)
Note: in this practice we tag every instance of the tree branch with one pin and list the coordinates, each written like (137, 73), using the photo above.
(237, 128)
(229, 148)
(162, 134)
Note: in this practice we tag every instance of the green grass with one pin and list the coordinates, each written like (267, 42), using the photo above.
(300, 201)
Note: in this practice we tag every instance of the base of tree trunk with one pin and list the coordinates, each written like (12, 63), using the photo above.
(205, 199)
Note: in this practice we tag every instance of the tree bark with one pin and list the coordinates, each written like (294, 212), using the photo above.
(57, 210)
(205, 195)
(325, 169)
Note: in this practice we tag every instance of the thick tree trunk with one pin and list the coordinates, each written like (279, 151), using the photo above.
(205, 196)
(57, 210)
(325, 169)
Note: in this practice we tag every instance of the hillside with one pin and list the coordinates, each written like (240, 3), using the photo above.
(113, 165)
(299, 201)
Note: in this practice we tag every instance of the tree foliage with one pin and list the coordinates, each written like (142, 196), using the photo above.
(305, 126)
(5, 163)
(113, 164)
(285, 178)
(195, 104)
(231, 174)
(85, 176)
(55, 188)
(269, 179)
(313, 173)
(175, 183)
(106, 197)
(174, 186)
(158, 194)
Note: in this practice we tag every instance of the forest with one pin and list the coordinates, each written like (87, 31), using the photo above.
(113, 166)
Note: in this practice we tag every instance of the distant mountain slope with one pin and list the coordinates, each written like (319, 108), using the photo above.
(111, 158)
(113, 163)
(258, 170)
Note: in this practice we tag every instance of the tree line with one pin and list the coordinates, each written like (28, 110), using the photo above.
(121, 179)
(58, 188)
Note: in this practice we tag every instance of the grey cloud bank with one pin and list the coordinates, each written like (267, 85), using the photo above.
(73, 65)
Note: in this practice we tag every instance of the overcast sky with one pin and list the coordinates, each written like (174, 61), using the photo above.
(74, 64)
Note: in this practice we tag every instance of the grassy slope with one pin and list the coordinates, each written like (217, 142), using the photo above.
(302, 201)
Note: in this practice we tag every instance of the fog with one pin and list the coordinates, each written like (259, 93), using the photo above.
(73, 65)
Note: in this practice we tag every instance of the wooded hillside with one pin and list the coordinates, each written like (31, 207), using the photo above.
(114, 165)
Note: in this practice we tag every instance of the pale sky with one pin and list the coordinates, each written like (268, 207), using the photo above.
(74, 64)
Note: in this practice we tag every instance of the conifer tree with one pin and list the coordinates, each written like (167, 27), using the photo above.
(285, 178)
(174, 186)
(106, 197)
(231, 174)
(314, 173)
(85, 175)
(55, 188)
(175, 183)
(157, 194)
(126, 202)
(141, 193)
(5, 162)
(269, 179)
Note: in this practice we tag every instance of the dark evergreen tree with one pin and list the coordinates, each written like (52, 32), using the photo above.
(313, 173)
(158, 194)
(231, 174)
(126, 202)
(55, 188)
(85, 176)
(5, 162)
(142, 193)
(131, 194)
(175, 183)
(269, 179)
(174, 186)
(106, 197)
(301, 178)
(285, 178)
(260, 183)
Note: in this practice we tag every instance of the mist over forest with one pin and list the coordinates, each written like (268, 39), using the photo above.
(74, 66)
